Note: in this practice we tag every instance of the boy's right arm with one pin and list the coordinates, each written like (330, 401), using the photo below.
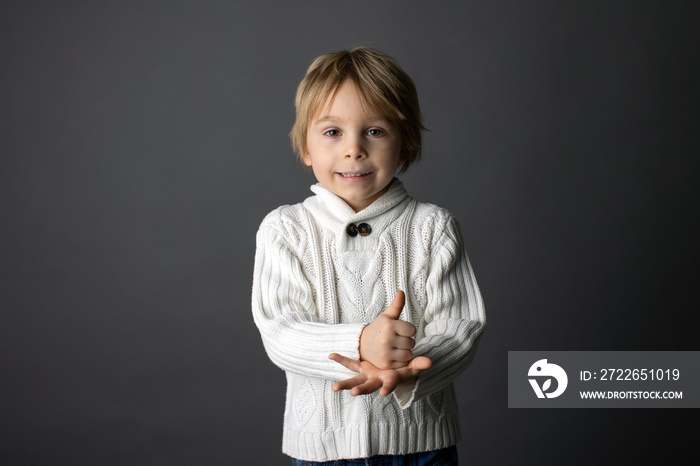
(284, 311)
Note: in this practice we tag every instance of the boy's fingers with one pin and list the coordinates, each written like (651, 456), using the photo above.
(371, 386)
(388, 387)
(389, 383)
(404, 343)
(398, 365)
(402, 356)
(345, 361)
(396, 306)
(349, 383)
(404, 329)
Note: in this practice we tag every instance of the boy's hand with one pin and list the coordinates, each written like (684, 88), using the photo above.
(387, 342)
(369, 378)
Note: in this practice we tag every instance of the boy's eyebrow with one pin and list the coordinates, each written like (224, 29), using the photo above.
(325, 119)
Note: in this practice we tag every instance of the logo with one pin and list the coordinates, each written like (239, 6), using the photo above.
(545, 372)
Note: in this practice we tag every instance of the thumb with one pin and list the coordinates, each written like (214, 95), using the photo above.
(420, 363)
(414, 368)
(396, 306)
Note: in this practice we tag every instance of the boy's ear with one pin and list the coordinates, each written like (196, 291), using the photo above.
(307, 159)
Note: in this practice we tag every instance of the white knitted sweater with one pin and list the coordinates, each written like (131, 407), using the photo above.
(316, 287)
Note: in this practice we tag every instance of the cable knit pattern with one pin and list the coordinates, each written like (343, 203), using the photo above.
(315, 287)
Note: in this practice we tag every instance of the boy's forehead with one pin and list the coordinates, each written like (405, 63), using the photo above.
(327, 117)
(368, 110)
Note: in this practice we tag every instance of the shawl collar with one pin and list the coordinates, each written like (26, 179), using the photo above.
(335, 214)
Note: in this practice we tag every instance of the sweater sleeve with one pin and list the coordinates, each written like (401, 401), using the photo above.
(453, 319)
(284, 310)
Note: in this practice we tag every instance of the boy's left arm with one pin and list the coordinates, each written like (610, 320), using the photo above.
(454, 317)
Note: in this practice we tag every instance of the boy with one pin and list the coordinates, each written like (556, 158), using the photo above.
(361, 290)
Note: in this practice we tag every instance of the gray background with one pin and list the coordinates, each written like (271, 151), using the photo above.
(143, 142)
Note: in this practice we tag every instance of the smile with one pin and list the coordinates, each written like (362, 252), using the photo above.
(352, 175)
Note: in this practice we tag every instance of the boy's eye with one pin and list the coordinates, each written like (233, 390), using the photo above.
(332, 133)
(375, 132)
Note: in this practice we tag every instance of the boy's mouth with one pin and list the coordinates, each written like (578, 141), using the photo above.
(353, 174)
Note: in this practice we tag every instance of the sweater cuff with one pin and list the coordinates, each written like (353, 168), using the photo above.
(347, 343)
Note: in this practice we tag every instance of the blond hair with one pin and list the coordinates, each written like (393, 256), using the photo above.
(382, 85)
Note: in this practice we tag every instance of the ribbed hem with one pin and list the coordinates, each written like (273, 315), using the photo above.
(375, 439)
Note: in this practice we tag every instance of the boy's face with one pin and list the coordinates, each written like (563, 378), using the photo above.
(353, 153)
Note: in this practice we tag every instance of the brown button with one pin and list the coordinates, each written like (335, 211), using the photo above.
(351, 230)
(364, 229)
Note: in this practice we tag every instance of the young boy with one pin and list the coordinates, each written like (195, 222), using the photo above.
(361, 290)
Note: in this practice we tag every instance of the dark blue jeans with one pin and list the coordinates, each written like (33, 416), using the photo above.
(445, 457)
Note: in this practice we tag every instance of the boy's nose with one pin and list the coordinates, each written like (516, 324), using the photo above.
(355, 150)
